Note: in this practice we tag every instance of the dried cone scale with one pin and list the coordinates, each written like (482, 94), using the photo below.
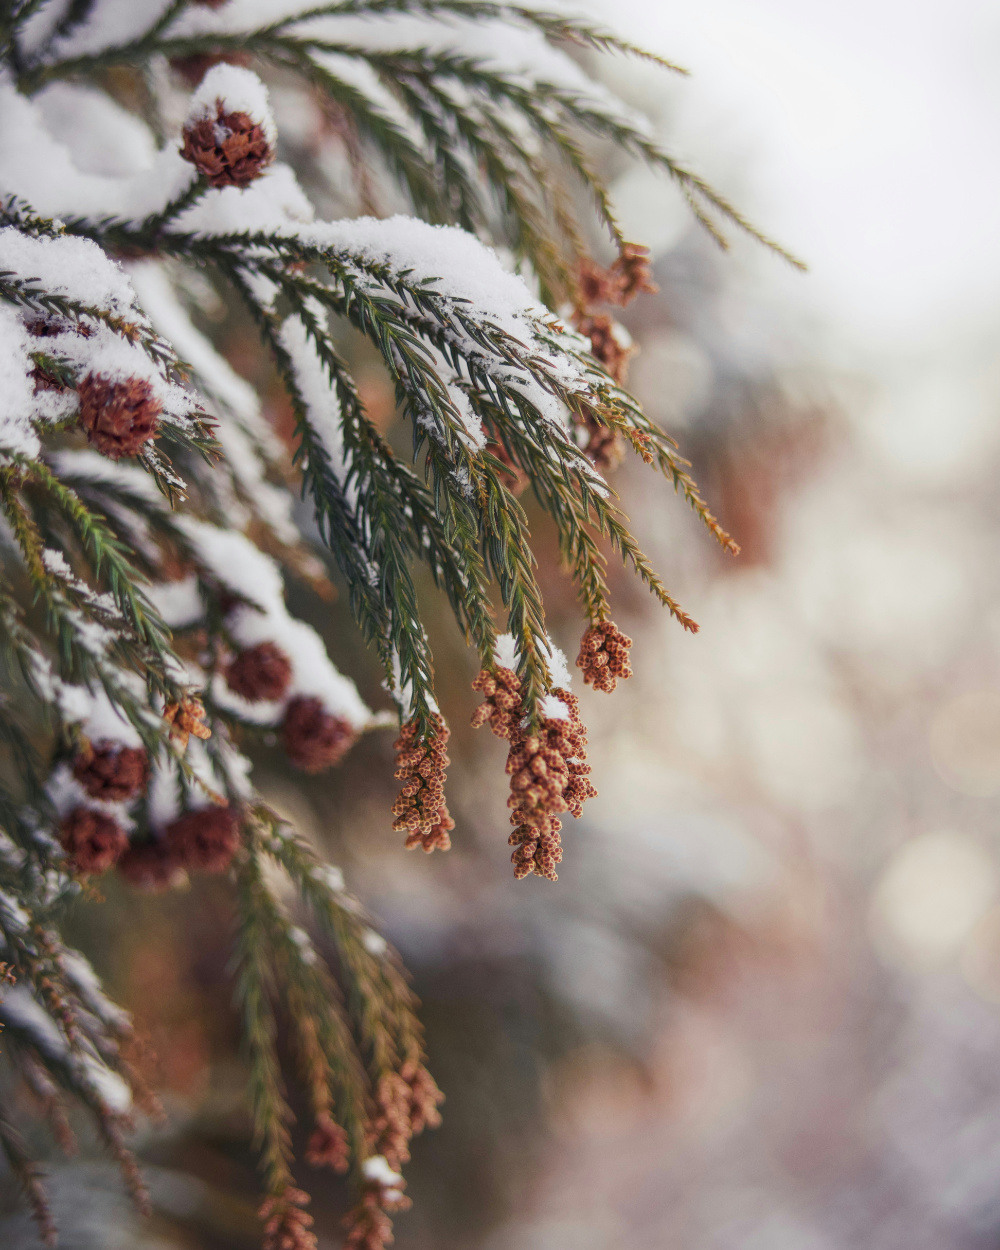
(228, 150)
(119, 418)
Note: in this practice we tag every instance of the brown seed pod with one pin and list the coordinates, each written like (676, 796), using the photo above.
(119, 418)
(260, 673)
(204, 840)
(314, 738)
(151, 865)
(92, 840)
(228, 150)
(112, 772)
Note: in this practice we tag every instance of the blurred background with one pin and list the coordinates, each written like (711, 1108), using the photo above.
(761, 1008)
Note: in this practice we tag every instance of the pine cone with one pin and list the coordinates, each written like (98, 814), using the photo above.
(112, 772)
(260, 673)
(204, 840)
(119, 418)
(604, 656)
(151, 865)
(314, 738)
(421, 809)
(92, 840)
(597, 285)
(635, 272)
(229, 150)
(604, 344)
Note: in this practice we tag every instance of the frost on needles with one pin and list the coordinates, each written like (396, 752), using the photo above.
(148, 526)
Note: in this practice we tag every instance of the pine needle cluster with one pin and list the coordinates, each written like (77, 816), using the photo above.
(148, 521)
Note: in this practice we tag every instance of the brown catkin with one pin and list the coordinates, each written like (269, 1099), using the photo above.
(92, 840)
(501, 706)
(262, 672)
(604, 656)
(314, 738)
(328, 1146)
(119, 418)
(112, 772)
(228, 150)
(420, 809)
(548, 775)
(286, 1225)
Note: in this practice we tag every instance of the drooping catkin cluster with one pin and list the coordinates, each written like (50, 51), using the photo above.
(604, 656)
(548, 771)
(548, 775)
(286, 1225)
(421, 810)
(406, 1103)
(630, 274)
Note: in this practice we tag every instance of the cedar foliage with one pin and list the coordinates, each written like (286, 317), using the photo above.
(147, 515)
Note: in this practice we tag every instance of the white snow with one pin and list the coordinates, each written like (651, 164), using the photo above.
(376, 1168)
(506, 652)
(17, 435)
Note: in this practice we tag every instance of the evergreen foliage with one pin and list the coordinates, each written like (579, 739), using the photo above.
(148, 519)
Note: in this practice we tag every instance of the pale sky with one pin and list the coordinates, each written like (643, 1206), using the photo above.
(864, 133)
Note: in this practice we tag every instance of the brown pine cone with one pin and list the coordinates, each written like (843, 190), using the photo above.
(204, 840)
(604, 656)
(635, 272)
(150, 865)
(260, 673)
(228, 150)
(314, 738)
(92, 840)
(119, 418)
(604, 344)
(597, 285)
(112, 772)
